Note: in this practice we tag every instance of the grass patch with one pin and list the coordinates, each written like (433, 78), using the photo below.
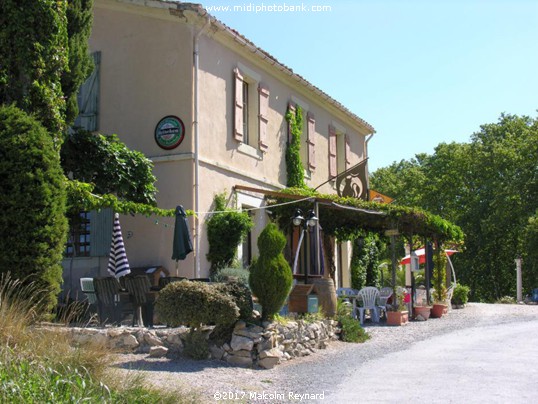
(38, 365)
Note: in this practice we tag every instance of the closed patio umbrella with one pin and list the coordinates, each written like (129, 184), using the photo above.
(118, 265)
(182, 244)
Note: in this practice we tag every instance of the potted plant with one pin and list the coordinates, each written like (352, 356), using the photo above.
(396, 313)
(460, 296)
(440, 306)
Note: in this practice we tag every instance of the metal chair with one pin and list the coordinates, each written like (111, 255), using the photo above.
(139, 287)
(86, 285)
(107, 294)
(369, 296)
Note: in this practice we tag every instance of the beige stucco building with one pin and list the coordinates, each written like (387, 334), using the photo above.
(159, 59)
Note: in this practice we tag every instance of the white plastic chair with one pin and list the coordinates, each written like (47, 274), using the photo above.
(384, 295)
(369, 296)
(86, 285)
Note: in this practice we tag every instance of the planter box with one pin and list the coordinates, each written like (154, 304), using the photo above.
(422, 311)
(397, 317)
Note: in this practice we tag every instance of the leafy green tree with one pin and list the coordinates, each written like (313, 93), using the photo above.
(80, 64)
(34, 54)
(489, 188)
(32, 219)
(111, 166)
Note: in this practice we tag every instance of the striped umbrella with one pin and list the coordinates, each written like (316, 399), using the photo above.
(118, 265)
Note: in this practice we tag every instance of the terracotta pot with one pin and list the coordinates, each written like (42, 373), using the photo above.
(423, 311)
(438, 310)
(397, 317)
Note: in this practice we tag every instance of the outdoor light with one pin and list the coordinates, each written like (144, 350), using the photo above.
(297, 218)
(311, 220)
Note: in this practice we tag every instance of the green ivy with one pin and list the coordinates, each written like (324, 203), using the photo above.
(365, 260)
(294, 165)
(346, 224)
(80, 196)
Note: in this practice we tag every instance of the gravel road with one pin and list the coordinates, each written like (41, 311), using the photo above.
(314, 378)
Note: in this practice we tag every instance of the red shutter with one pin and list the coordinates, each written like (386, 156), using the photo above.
(347, 157)
(263, 117)
(332, 152)
(238, 106)
(311, 131)
(291, 108)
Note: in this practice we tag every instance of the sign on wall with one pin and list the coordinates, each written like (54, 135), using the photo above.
(169, 132)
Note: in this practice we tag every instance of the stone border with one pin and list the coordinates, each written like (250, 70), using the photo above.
(250, 346)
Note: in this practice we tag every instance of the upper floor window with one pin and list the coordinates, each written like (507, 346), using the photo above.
(251, 107)
(339, 151)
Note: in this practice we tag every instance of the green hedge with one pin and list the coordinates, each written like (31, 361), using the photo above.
(32, 206)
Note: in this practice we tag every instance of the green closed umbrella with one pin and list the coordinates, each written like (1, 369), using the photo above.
(182, 239)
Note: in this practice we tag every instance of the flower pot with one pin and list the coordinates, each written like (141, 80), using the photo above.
(421, 312)
(397, 317)
(438, 310)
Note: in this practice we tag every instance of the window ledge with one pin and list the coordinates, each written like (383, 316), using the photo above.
(250, 151)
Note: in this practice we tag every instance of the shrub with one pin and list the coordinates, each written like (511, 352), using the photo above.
(507, 300)
(229, 273)
(460, 295)
(241, 295)
(225, 231)
(193, 304)
(196, 345)
(270, 276)
(32, 207)
(352, 331)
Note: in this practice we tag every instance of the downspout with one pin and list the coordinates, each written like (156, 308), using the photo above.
(366, 152)
(196, 143)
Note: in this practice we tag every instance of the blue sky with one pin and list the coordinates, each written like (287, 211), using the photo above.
(421, 72)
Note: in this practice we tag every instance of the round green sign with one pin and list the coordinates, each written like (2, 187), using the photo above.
(169, 132)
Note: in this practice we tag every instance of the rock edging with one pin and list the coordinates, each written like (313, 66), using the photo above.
(251, 345)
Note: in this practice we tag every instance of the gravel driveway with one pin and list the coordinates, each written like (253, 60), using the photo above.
(320, 373)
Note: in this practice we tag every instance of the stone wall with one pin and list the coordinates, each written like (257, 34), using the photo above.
(250, 346)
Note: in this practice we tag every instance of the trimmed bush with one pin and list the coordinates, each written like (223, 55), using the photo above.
(32, 206)
(241, 295)
(194, 304)
(270, 277)
(230, 273)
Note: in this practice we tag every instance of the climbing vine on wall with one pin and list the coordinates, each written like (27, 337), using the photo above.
(293, 152)
(365, 260)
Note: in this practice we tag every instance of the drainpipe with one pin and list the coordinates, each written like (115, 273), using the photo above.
(366, 152)
(196, 142)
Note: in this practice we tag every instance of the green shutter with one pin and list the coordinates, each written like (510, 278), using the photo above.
(101, 224)
(88, 98)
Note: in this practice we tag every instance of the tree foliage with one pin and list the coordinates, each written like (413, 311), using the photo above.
(367, 251)
(34, 55)
(110, 166)
(80, 64)
(489, 187)
(32, 219)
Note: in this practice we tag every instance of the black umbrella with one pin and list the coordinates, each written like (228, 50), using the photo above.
(182, 239)
(118, 265)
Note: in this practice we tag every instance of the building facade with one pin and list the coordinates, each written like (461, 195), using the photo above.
(160, 60)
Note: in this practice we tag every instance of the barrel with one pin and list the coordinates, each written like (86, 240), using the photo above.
(326, 295)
